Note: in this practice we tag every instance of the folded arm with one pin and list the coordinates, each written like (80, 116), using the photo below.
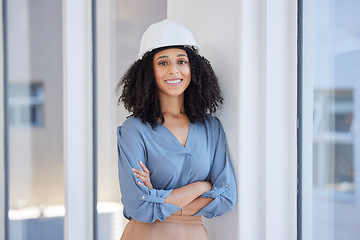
(184, 197)
(195, 206)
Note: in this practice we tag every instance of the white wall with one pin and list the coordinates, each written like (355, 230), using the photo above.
(219, 43)
(252, 47)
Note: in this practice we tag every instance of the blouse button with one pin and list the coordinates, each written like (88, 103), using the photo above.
(143, 197)
(226, 186)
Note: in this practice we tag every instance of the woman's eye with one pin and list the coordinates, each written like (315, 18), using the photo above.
(182, 62)
(162, 63)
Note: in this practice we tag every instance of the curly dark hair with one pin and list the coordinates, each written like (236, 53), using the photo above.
(140, 92)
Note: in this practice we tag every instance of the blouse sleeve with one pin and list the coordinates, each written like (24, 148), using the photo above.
(221, 176)
(139, 202)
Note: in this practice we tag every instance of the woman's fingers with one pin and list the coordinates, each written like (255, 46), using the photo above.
(142, 178)
(140, 183)
(142, 165)
(139, 172)
(143, 175)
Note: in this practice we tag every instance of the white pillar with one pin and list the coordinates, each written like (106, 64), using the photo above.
(77, 49)
(281, 115)
(252, 111)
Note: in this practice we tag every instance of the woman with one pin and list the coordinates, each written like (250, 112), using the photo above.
(174, 166)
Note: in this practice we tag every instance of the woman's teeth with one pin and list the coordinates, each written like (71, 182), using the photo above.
(173, 81)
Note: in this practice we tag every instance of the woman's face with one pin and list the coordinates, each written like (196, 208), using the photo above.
(172, 71)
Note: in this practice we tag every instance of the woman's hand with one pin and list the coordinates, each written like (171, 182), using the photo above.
(207, 185)
(143, 175)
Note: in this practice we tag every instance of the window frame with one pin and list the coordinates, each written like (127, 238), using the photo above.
(306, 122)
(299, 124)
(4, 206)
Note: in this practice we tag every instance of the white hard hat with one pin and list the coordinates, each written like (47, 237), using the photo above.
(166, 33)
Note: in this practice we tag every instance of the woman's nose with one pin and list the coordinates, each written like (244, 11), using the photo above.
(173, 69)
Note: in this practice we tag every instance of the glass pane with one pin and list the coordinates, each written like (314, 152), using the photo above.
(34, 113)
(336, 145)
(120, 25)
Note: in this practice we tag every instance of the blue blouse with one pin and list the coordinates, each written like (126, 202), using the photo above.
(204, 158)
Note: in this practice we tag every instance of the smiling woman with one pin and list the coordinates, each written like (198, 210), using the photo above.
(174, 165)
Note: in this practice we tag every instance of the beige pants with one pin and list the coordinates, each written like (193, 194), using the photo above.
(173, 228)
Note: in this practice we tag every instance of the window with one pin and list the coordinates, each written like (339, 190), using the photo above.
(331, 58)
(333, 142)
(26, 105)
(35, 120)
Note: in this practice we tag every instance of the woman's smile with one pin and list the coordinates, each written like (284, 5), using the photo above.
(174, 82)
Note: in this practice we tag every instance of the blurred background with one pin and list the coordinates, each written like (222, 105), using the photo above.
(35, 110)
(336, 119)
(35, 113)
